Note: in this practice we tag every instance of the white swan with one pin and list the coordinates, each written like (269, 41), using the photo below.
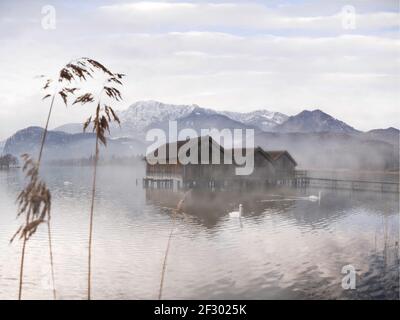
(67, 183)
(237, 214)
(311, 198)
(315, 198)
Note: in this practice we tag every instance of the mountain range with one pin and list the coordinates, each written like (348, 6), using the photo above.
(62, 145)
(144, 115)
(304, 134)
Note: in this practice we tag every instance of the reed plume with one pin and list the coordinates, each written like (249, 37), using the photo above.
(101, 120)
(34, 202)
(72, 71)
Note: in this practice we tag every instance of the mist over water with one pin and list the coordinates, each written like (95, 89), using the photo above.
(283, 246)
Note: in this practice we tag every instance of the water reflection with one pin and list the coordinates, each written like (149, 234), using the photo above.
(280, 249)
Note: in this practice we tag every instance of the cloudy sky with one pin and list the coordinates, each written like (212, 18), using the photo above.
(230, 55)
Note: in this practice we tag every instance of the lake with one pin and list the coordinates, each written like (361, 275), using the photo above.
(283, 247)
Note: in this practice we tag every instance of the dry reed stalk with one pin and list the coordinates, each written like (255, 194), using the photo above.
(96, 159)
(164, 265)
(36, 195)
(21, 270)
(179, 208)
(74, 70)
(104, 115)
(48, 220)
(35, 202)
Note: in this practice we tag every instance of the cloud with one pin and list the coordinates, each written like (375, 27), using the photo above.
(239, 15)
(293, 60)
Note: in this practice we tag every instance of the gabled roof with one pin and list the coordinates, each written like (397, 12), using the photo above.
(277, 154)
(257, 149)
(180, 143)
(271, 156)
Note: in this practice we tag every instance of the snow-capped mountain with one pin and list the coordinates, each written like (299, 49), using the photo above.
(201, 118)
(263, 119)
(143, 115)
(314, 121)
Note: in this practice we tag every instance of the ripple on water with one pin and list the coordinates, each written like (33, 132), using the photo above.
(291, 250)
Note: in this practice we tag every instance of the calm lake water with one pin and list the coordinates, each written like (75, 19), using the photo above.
(284, 246)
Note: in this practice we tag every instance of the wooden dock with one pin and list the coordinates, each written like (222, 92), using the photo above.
(303, 180)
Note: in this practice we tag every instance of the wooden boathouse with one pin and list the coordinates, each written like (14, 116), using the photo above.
(215, 167)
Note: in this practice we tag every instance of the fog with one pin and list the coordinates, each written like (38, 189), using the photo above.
(335, 151)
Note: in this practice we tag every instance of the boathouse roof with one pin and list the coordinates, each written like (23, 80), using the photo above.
(277, 154)
(272, 156)
(178, 144)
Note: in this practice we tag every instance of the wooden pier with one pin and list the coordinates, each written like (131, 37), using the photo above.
(303, 180)
(161, 183)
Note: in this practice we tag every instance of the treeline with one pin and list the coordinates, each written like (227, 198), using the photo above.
(8, 161)
(114, 160)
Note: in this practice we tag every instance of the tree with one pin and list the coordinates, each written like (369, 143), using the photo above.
(8, 160)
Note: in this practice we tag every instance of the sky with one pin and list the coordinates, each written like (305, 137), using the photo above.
(338, 56)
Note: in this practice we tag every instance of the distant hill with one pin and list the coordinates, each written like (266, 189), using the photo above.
(390, 135)
(72, 128)
(2, 144)
(61, 145)
(314, 121)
